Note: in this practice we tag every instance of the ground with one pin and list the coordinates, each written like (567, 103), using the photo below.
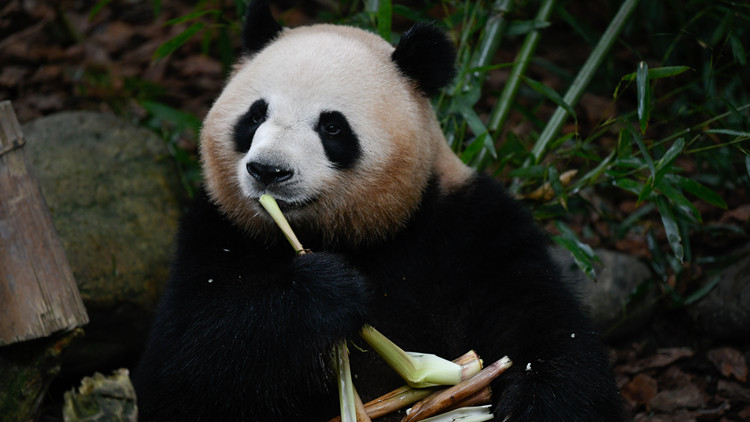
(65, 57)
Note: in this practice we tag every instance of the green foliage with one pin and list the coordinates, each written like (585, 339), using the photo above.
(677, 76)
(173, 125)
(691, 108)
(210, 19)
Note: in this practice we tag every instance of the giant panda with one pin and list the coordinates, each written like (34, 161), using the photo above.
(337, 125)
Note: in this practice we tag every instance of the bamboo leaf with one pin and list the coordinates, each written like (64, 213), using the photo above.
(550, 93)
(636, 136)
(665, 162)
(671, 228)
(629, 185)
(738, 51)
(674, 195)
(471, 117)
(192, 16)
(166, 113)
(473, 148)
(593, 174)
(97, 8)
(644, 98)
(583, 255)
(703, 291)
(624, 148)
(524, 27)
(658, 73)
(177, 41)
(730, 132)
(702, 192)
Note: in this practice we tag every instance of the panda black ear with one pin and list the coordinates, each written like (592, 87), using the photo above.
(260, 27)
(426, 56)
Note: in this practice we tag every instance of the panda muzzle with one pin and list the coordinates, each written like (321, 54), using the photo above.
(268, 174)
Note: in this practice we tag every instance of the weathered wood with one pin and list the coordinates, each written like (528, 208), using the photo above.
(38, 294)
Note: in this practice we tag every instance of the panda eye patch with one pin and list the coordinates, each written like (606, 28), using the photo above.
(340, 143)
(248, 123)
(258, 112)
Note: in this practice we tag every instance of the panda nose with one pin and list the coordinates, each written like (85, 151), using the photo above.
(268, 174)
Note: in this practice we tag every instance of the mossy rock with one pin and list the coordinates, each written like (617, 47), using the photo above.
(115, 197)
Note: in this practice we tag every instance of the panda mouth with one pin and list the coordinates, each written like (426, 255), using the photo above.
(286, 205)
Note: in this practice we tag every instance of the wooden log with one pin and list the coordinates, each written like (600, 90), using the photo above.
(38, 294)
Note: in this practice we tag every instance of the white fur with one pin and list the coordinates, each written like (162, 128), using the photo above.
(304, 72)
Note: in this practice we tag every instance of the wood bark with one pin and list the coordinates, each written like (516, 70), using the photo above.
(38, 294)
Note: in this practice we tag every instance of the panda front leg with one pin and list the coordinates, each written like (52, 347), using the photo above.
(256, 348)
(560, 369)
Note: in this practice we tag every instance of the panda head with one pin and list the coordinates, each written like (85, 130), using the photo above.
(334, 123)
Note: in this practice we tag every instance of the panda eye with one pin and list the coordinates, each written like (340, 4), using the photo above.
(331, 129)
(258, 112)
(257, 118)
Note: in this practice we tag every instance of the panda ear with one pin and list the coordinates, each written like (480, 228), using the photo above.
(426, 56)
(260, 27)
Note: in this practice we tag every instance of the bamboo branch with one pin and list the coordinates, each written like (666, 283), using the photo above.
(451, 396)
(501, 111)
(583, 78)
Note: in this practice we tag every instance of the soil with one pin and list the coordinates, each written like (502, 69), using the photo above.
(62, 56)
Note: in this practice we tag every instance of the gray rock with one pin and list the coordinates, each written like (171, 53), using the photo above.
(724, 313)
(102, 399)
(607, 297)
(114, 196)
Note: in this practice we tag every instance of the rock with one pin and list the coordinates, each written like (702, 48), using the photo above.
(102, 399)
(608, 298)
(114, 195)
(725, 311)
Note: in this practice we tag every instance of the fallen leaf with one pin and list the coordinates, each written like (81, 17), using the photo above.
(741, 214)
(689, 396)
(733, 391)
(663, 358)
(730, 362)
(640, 390)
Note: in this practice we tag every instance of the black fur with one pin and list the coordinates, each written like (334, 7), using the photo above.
(339, 140)
(244, 129)
(260, 27)
(245, 328)
(426, 56)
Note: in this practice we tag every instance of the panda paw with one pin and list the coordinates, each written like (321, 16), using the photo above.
(333, 295)
(551, 394)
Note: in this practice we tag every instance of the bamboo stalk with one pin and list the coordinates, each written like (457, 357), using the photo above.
(501, 111)
(270, 205)
(491, 36)
(351, 411)
(438, 402)
(583, 78)
(403, 396)
(417, 369)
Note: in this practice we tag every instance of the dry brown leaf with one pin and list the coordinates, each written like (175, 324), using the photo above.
(663, 358)
(730, 362)
(640, 390)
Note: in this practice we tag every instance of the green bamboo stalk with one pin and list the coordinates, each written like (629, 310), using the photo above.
(501, 111)
(346, 386)
(491, 36)
(383, 10)
(489, 41)
(584, 76)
